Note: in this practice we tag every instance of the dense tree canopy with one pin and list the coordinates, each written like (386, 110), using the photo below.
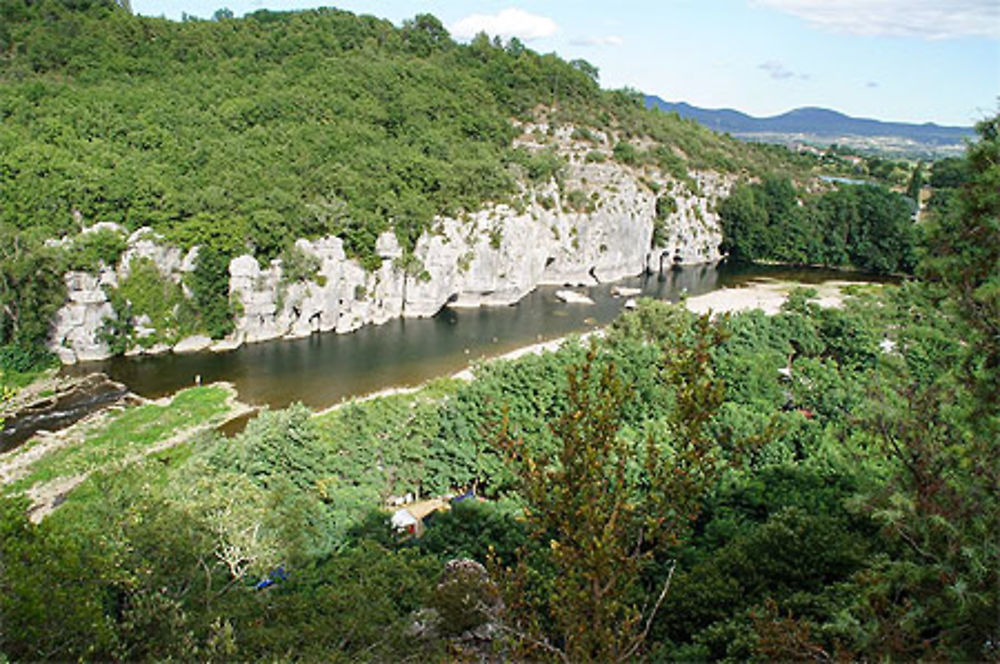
(255, 125)
(867, 226)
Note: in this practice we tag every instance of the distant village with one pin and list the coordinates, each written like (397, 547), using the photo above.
(857, 147)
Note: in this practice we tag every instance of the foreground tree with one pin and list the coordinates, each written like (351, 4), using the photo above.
(601, 504)
(964, 257)
(51, 607)
(929, 430)
(942, 503)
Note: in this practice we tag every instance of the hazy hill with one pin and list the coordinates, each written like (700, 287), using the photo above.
(820, 123)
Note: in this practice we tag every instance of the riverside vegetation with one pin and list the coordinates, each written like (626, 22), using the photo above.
(818, 484)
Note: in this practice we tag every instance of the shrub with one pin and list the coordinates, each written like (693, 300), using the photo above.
(626, 153)
(209, 284)
(90, 250)
(298, 266)
(577, 201)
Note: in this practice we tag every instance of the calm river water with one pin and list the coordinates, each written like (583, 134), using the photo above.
(324, 369)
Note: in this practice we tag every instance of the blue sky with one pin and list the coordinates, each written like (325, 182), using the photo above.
(907, 60)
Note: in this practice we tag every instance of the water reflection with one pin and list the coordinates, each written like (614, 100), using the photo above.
(95, 392)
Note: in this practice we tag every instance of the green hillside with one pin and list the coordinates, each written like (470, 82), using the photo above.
(246, 133)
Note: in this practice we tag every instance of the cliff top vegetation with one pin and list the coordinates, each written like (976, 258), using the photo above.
(244, 134)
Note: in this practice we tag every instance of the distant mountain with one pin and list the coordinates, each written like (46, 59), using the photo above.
(814, 122)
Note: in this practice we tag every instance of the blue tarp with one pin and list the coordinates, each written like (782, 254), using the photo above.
(277, 574)
(471, 493)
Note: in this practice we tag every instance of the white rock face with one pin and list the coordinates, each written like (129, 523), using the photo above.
(76, 327)
(77, 324)
(193, 344)
(694, 232)
(144, 243)
(596, 227)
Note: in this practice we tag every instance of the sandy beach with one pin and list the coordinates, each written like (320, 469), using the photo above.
(765, 294)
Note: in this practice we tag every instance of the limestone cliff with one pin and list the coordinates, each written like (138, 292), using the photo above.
(595, 225)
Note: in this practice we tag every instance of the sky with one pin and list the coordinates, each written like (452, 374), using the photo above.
(901, 60)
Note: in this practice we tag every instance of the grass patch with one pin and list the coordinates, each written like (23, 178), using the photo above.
(17, 380)
(131, 432)
(153, 472)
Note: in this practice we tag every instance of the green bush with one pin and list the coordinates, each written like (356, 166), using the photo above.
(147, 294)
(626, 153)
(209, 284)
(24, 359)
(32, 289)
(89, 251)
(541, 166)
(577, 201)
(298, 266)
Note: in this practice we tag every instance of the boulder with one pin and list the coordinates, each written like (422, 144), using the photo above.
(225, 345)
(573, 297)
(387, 246)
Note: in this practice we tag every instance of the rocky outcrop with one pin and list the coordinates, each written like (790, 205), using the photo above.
(193, 344)
(572, 297)
(76, 328)
(595, 225)
(694, 231)
(342, 297)
(77, 324)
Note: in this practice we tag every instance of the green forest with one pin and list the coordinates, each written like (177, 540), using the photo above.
(820, 484)
(866, 227)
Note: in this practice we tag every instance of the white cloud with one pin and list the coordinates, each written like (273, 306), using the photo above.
(929, 19)
(608, 40)
(779, 72)
(508, 23)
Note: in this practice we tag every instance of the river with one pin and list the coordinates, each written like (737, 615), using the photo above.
(324, 369)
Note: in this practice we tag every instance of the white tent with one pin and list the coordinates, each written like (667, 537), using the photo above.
(403, 520)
